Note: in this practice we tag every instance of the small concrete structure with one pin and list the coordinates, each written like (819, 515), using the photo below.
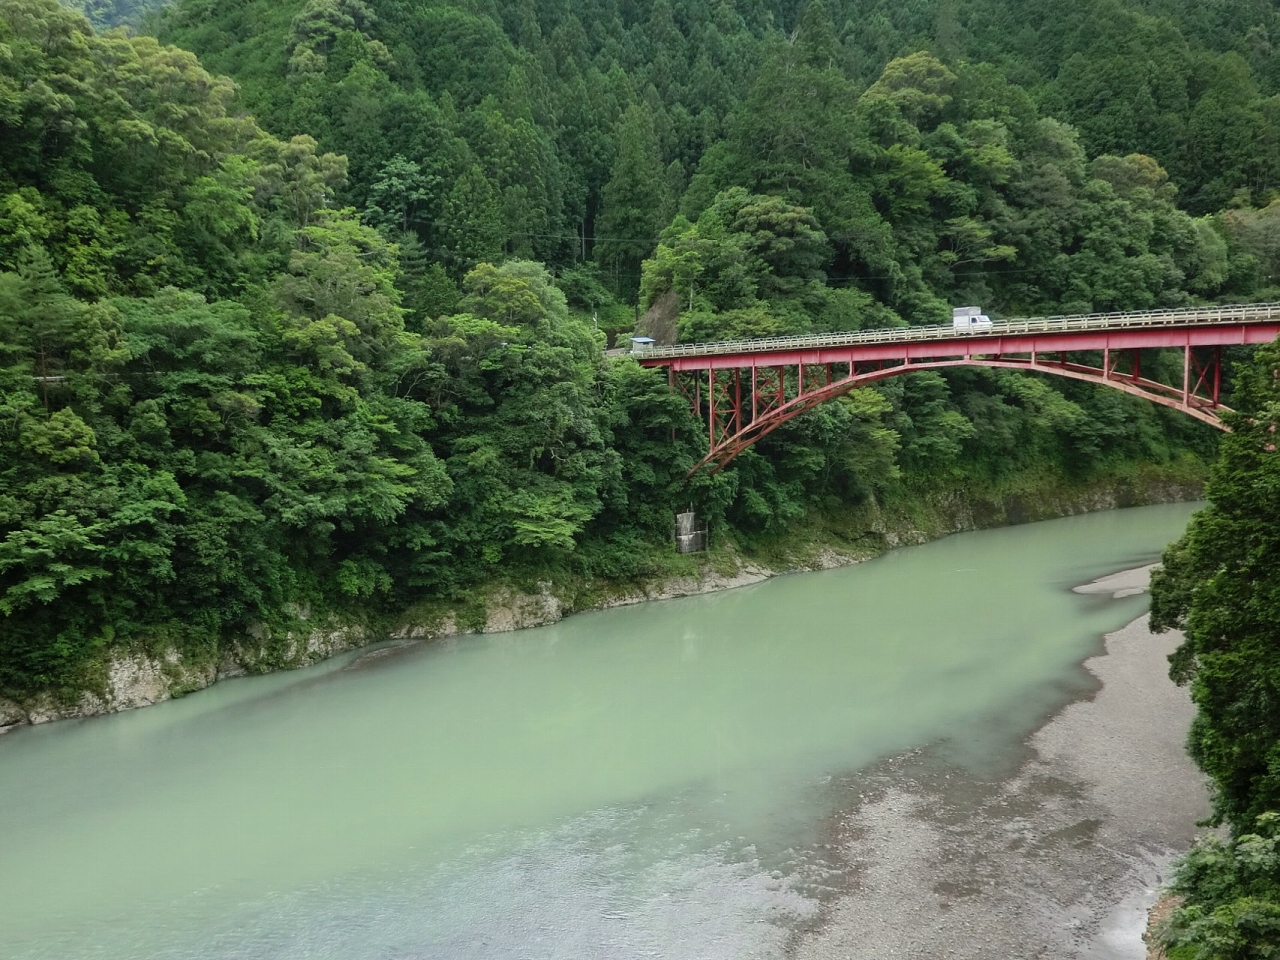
(688, 538)
(642, 344)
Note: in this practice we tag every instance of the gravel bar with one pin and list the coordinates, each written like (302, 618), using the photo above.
(1058, 858)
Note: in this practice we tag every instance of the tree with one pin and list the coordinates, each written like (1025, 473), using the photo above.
(400, 195)
(632, 201)
(1218, 584)
(474, 231)
(341, 281)
(917, 87)
(1230, 897)
(744, 248)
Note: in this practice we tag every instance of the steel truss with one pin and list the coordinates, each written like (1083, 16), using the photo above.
(741, 403)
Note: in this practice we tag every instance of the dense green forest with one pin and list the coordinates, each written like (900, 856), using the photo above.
(1219, 584)
(328, 336)
(573, 134)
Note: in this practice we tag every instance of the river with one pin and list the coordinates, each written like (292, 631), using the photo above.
(671, 780)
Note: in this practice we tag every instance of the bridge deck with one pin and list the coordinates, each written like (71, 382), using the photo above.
(1002, 336)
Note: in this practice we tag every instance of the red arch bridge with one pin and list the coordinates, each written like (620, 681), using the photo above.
(744, 389)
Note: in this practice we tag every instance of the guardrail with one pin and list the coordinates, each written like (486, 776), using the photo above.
(1241, 313)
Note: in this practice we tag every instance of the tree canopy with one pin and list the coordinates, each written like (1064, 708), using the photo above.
(322, 330)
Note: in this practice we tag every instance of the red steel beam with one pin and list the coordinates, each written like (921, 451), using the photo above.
(1201, 409)
(958, 348)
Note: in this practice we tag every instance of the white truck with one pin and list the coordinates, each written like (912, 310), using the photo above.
(969, 319)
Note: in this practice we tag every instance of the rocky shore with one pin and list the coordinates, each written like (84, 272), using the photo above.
(131, 679)
(1060, 858)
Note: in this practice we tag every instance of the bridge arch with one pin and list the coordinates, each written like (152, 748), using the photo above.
(745, 390)
(732, 428)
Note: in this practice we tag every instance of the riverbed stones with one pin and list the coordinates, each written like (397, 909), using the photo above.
(1058, 858)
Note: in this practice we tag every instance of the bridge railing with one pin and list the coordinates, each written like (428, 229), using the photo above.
(1184, 316)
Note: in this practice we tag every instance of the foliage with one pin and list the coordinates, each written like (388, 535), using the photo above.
(1232, 910)
(326, 334)
(918, 134)
(1218, 584)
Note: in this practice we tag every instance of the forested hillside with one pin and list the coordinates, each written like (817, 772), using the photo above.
(327, 335)
(569, 133)
(1219, 584)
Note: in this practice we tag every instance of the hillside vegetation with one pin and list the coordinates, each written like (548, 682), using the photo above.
(326, 337)
(1219, 584)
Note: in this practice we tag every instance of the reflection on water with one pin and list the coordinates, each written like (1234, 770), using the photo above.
(638, 782)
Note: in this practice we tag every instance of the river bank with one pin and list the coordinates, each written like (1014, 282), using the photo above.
(133, 678)
(1060, 855)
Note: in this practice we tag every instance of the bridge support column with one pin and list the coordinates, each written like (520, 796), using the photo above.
(1217, 374)
(737, 402)
(1208, 377)
(711, 406)
(1186, 377)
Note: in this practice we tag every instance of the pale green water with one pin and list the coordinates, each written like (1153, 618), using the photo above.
(639, 782)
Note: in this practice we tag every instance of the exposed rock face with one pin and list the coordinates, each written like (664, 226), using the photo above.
(660, 319)
(259, 652)
(709, 582)
(447, 627)
(515, 611)
(132, 680)
(10, 715)
(137, 680)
